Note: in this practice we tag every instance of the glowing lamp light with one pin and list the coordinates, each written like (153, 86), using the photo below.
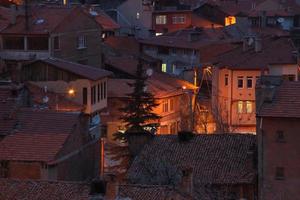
(184, 87)
(71, 92)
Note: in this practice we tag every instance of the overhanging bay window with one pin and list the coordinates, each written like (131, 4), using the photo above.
(13, 42)
(37, 43)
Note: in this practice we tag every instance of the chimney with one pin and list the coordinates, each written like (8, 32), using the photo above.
(13, 18)
(187, 184)
(258, 44)
(137, 140)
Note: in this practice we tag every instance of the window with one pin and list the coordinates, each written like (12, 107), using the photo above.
(248, 107)
(98, 92)
(178, 20)
(84, 96)
(280, 136)
(164, 67)
(56, 43)
(37, 43)
(3, 169)
(226, 79)
(101, 91)
(249, 81)
(240, 81)
(161, 19)
(240, 107)
(171, 104)
(15, 43)
(93, 95)
(164, 129)
(81, 42)
(230, 20)
(104, 89)
(279, 173)
(165, 106)
(173, 51)
(137, 15)
(256, 79)
(173, 128)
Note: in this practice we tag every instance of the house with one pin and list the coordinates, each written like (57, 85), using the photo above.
(218, 166)
(49, 145)
(171, 19)
(82, 84)
(278, 141)
(43, 190)
(51, 31)
(182, 51)
(236, 73)
(167, 90)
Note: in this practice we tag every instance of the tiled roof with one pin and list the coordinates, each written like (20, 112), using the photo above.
(88, 72)
(43, 20)
(11, 189)
(275, 50)
(214, 159)
(55, 101)
(39, 135)
(123, 44)
(105, 21)
(31, 147)
(5, 17)
(181, 38)
(148, 192)
(285, 103)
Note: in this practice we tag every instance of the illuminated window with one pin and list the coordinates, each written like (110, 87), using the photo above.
(161, 19)
(158, 34)
(137, 15)
(248, 107)
(240, 107)
(164, 67)
(178, 20)
(230, 20)
(240, 81)
(249, 81)
(81, 42)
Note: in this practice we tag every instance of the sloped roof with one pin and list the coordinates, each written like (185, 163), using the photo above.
(105, 21)
(148, 192)
(5, 17)
(88, 72)
(43, 20)
(275, 50)
(285, 103)
(12, 189)
(39, 136)
(123, 44)
(214, 159)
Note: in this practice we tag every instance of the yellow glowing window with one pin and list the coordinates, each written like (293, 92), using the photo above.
(248, 107)
(164, 67)
(240, 107)
(230, 20)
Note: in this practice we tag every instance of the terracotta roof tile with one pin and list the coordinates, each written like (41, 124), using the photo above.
(214, 159)
(12, 189)
(275, 50)
(88, 72)
(285, 103)
(123, 44)
(105, 21)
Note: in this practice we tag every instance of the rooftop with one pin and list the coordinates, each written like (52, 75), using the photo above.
(285, 102)
(85, 71)
(12, 189)
(213, 159)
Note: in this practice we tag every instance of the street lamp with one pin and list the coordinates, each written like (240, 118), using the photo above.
(70, 92)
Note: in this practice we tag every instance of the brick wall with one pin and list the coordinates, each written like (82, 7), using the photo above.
(279, 153)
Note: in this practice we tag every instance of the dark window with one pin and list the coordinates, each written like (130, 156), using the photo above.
(226, 79)
(101, 91)
(98, 92)
(240, 81)
(104, 90)
(280, 136)
(37, 43)
(249, 81)
(56, 43)
(84, 96)
(163, 50)
(3, 169)
(279, 173)
(15, 43)
(93, 95)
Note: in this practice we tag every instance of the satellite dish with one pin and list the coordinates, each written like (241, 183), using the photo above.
(149, 72)
(250, 41)
(45, 99)
(280, 20)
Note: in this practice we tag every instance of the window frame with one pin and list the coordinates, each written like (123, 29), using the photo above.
(242, 79)
(240, 110)
(81, 42)
(249, 78)
(251, 104)
(160, 19)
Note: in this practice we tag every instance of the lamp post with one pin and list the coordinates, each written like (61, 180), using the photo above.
(70, 92)
(190, 94)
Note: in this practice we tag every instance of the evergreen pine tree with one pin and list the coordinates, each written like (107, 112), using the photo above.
(138, 112)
